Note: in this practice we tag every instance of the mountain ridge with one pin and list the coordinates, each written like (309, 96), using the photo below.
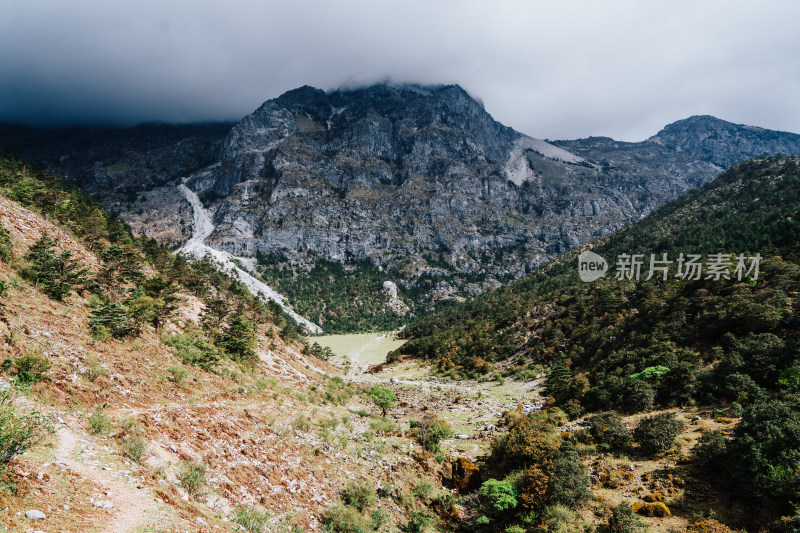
(417, 180)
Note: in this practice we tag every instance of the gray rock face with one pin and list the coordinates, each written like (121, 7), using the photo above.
(425, 178)
(417, 177)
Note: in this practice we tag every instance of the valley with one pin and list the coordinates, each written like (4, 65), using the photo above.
(251, 367)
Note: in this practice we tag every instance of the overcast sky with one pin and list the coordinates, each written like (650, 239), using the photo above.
(561, 69)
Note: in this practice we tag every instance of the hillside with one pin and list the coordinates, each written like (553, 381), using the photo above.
(171, 398)
(632, 346)
(141, 392)
(329, 195)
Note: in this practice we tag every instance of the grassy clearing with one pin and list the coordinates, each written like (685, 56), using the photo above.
(360, 349)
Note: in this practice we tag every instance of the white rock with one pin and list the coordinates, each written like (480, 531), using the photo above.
(33, 514)
(103, 504)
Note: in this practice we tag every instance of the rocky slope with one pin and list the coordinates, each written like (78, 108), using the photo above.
(418, 179)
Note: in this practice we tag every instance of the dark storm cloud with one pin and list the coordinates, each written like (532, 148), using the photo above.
(558, 70)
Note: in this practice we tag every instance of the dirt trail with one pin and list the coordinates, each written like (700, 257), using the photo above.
(130, 506)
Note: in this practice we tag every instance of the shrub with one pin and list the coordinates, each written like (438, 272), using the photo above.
(251, 519)
(94, 370)
(424, 490)
(623, 520)
(359, 495)
(656, 509)
(134, 447)
(524, 444)
(430, 431)
(383, 397)
(656, 433)
(498, 496)
(31, 367)
(609, 428)
(134, 444)
(561, 519)
(763, 456)
(638, 395)
(193, 350)
(710, 452)
(18, 431)
(192, 477)
(420, 521)
(177, 375)
(709, 525)
(98, 421)
(383, 425)
(301, 423)
(534, 487)
(379, 518)
(5, 245)
(344, 519)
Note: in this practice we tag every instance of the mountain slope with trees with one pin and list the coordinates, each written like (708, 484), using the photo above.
(633, 346)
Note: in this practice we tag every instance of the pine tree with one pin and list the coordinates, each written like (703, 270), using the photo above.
(56, 273)
(239, 339)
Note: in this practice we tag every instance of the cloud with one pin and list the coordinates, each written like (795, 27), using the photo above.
(556, 70)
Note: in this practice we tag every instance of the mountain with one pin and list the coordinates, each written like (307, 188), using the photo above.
(417, 186)
(155, 394)
(615, 327)
(725, 344)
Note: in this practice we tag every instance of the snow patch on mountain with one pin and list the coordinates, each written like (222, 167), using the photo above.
(517, 168)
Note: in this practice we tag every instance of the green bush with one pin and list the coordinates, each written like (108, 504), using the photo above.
(344, 519)
(251, 519)
(5, 245)
(498, 496)
(177, 375)
(623, 520)
(384, 397)
(420, 521)
(711, 451)
(192, 477)
(379, 518)
(424, 490)
(609, 428)
(359, 495)
(655, 434)
(31, 367)
(98, 421)
(18, 431)
(193, 350)
(430, 431)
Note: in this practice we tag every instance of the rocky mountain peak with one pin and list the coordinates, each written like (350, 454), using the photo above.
(723, 143)
(406, 129)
